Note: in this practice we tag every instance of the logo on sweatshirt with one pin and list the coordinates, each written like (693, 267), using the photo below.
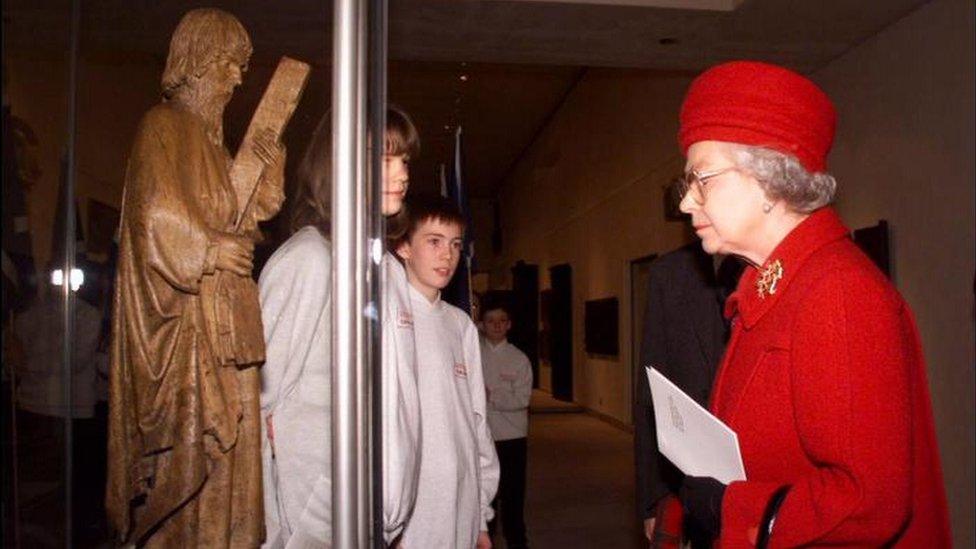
(460, 370)
(404, 319)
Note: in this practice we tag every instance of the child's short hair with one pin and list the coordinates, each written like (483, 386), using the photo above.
(489, 305)
(421, 208)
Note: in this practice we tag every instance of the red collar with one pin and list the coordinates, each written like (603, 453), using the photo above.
(816, 231)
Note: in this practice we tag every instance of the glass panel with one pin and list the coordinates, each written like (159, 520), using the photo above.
(374, 222)
(58, 437)
(40, 414)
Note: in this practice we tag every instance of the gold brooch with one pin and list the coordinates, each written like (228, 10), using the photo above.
(771, 275)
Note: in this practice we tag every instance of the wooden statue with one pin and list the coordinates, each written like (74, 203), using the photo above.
(184, 434)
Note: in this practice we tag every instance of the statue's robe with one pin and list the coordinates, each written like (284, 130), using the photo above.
(184, 427)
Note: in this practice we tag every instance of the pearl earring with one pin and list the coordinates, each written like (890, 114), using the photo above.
(767, 207)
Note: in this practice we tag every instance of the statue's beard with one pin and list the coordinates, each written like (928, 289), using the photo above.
(202, 101)
(212, 113)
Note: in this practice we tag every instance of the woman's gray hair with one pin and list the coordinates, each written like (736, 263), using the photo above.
(782, 177)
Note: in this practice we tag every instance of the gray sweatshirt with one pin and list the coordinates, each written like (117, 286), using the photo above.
(296, 306)
(508, 378)
(458, 467)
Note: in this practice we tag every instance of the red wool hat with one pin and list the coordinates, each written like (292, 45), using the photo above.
(763, 105)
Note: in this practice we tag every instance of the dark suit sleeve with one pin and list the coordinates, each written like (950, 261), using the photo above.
(651, 485)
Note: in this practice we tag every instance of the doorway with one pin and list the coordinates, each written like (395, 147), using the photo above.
(639, 273)
(561, 323)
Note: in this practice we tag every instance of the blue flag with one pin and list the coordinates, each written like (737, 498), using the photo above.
(458, 292)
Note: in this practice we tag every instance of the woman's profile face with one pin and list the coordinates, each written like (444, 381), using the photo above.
(396, 179)
(729, 219)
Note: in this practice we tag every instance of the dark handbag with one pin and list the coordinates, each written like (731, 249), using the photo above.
(769, 516)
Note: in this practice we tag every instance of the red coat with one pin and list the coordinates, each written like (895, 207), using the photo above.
(824, 381)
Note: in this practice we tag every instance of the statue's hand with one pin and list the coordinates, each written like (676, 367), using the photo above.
(270, 151)
(235, 254)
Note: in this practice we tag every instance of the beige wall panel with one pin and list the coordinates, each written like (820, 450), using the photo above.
(588, 193)
(904, 152)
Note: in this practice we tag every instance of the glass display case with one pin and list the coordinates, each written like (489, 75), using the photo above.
(83, 85)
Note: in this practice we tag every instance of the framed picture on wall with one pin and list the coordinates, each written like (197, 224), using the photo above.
(873, 241)
(600, 322)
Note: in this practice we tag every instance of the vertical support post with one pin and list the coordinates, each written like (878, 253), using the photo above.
(346, 169)
(354, 282)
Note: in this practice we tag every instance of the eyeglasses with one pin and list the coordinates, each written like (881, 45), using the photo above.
(694, 182)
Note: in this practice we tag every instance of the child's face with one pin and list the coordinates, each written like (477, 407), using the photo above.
(396, 177)
(431, 256)
(497, 324)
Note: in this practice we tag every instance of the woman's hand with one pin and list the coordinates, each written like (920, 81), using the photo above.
(649, 528)
(235, 254)
(484, 541)
(702, 499)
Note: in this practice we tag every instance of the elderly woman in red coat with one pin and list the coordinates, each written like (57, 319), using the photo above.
(824, 378)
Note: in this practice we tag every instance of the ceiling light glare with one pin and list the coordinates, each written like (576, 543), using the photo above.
(77, 278)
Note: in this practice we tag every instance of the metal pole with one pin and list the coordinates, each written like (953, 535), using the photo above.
(67, 354)
(350, 451)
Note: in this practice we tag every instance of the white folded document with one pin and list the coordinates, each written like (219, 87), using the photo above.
(693, 439)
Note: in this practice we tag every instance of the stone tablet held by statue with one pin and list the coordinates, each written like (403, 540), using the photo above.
(272, 115)
(236, 311)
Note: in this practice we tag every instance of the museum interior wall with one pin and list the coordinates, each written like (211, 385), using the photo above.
(589, 193)
(904, 153)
